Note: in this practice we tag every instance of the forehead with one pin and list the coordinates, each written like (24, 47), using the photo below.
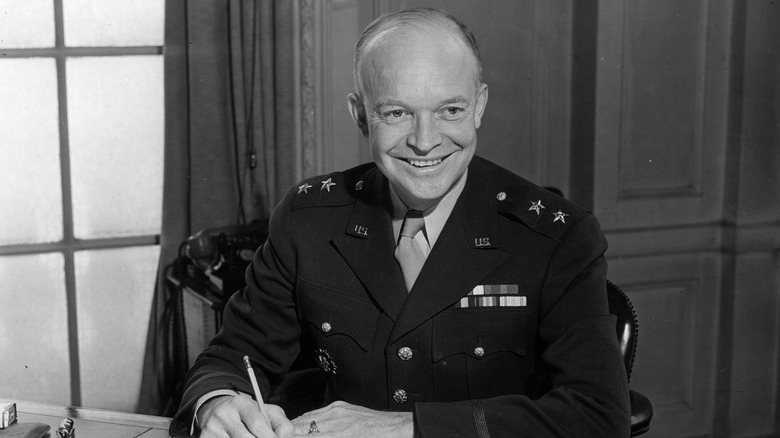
(419, 61)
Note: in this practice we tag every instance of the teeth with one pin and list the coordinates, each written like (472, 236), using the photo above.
(424, 163)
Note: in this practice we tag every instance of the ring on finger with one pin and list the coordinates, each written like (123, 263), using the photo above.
(313, 427)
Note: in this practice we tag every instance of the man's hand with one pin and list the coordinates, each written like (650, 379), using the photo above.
(239, 417)
(344, 420)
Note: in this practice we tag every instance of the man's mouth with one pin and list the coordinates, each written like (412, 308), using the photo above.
(424, 163)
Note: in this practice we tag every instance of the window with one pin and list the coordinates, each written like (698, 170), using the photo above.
(81, 165)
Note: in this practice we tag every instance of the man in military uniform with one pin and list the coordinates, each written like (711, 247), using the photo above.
(489, 318)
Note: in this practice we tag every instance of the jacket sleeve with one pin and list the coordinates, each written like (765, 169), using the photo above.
(249, 317)
(580, 388)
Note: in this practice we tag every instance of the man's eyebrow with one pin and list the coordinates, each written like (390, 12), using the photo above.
(456, 99)
(445, 102)
(389, 102)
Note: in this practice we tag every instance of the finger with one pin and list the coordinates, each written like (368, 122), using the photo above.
(301, 426)
(279, 422)
(285, 431)
(255, 421)
(213, 429)
(305, 427)
(208, 433)
(229, 419)
(217, 423)
(323, 433)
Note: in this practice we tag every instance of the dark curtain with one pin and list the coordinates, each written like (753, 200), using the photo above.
(229, 139)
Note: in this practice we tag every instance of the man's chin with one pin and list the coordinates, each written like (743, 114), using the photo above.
(422, 199)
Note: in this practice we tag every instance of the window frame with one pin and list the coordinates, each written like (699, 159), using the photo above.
(69, 244)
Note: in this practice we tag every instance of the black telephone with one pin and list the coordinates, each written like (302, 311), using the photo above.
(208, 248)
(223, 253)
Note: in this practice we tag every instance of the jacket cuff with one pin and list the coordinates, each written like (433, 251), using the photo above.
(201, 401)
(445, 420)
(416, 426)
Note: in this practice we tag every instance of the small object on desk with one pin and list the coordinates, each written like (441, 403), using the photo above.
(66, 430)
(26, 430)
(45, 419)
(8, 416)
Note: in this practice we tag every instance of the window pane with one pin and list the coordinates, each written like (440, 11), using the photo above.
(114, 297)
(115, 113)
(114, 23)
(30, 192)
(34, 355)
(26, 24)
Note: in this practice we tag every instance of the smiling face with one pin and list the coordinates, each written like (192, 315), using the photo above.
(420, 108)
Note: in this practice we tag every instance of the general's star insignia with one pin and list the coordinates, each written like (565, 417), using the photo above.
(304, 188)
(560, 216)
(327, 184)
(537, 207)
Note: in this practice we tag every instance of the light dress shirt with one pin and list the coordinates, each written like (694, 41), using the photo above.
(435, 217)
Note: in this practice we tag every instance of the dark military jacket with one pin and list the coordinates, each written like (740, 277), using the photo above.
(506, 332)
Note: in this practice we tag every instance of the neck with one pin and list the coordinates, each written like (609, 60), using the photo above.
(424, 205)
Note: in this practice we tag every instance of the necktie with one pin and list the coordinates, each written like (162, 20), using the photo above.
(408, 252)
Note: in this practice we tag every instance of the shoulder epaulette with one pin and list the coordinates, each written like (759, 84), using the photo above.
(538, 208)
(330, 190)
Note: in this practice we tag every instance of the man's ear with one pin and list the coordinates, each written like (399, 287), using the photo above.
(358, 112)
(479, 110)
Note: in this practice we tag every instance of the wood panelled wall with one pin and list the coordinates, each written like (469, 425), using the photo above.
(661, 148)
(663, 118)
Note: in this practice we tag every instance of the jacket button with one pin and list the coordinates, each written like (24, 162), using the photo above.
(405, 353)
(325, 327)
(400, 396)
(479, 351)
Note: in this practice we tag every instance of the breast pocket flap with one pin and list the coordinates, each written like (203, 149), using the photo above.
(338, 314)
(479, 333)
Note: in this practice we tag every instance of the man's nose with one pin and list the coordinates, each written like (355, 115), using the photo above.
(426, 135)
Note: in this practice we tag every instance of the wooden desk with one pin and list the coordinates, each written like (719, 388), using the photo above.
(92, 423)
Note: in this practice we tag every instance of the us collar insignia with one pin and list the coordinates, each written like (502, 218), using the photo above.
(560, 216)
(325, 361)
(537, 207)
(304, 188)
(326, 185)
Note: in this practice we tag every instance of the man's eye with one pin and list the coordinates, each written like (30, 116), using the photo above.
(395, 113)
(452, 112)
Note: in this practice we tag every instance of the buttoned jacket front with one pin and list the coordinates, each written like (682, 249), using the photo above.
(543, 363)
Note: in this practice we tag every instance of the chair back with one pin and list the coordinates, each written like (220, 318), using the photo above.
(627, 326)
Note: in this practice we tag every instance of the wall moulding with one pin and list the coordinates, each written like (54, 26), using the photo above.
(662, 100)
(677, 299)
(720, 237)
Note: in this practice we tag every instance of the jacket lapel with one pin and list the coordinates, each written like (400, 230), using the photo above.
(368, 243)
(466, 252)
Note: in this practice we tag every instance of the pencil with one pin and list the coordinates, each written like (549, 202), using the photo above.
(258, 396)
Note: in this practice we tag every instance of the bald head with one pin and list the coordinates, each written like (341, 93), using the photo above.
(395, 32)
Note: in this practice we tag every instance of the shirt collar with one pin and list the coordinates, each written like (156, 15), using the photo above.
(435, 217)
